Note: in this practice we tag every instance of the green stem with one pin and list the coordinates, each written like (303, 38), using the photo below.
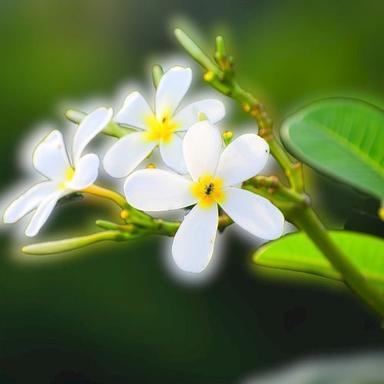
(167, 228)
(107, 194)
(286, 199)
(194, 50)
(114, 232)
(65, 245)
(128, 213)
(308, 221)
(255, 108)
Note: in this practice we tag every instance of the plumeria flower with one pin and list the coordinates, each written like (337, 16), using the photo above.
(64, 175)
(161, 127)
(215, 178)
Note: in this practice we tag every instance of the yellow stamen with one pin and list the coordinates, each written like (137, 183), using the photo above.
(151, 166)
(68, 176)
(69, 173)
(208, 190)
(161, 129)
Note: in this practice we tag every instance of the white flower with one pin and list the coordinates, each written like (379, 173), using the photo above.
(63, 176)
(214, 180)
(161, 127)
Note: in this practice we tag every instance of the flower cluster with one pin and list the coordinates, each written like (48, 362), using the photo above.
(204, 175)
(62, 175)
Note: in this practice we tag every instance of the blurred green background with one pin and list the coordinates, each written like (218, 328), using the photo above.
(114, 313)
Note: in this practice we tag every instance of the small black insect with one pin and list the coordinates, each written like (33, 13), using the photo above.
(209, 189)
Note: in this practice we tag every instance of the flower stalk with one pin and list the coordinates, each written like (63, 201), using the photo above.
(107, 194)
(66, 245)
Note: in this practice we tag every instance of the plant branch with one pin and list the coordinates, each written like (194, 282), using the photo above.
(115, 232)
(307, 220)
(292, 201)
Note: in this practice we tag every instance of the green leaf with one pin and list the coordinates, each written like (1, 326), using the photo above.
(296, 252)
(343, 138)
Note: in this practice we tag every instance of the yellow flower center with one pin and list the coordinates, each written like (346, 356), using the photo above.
(208, 190)
(68, 176)
(161, 129)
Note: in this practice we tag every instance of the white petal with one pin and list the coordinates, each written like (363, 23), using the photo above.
(201, 147)
(127, 153)
(242, 159)
(158, 190)
(253, 213)
(213, 110)
(50, 157)
(193, 244)
(41, 215)
(134, 112)
(173, 86)
(86, 172)
(28, 201)
(90, 126)
(172, 154)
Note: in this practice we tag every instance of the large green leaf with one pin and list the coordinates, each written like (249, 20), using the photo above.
(296, 252)
(343, 138)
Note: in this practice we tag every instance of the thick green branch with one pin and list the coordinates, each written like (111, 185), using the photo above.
(307, 220)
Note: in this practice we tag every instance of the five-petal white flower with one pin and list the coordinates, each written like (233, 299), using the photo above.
(51, 159)
(161, 127)
(215, 176)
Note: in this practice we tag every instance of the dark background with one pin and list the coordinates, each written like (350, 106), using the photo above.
(114, 313)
